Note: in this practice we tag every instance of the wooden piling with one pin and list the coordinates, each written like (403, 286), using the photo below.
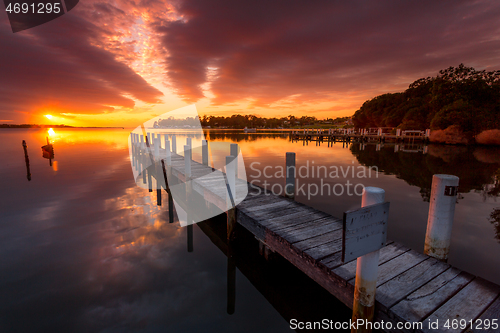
(27, 161)
(366, 272)
(187, 162)
(190, 238)
(174, 144)
(234, 152)
(441, 214)
(231, 282)
(157, 147)
(168, 157)
(231, 195)
(143, 146)
(204, 152)
(290, 175)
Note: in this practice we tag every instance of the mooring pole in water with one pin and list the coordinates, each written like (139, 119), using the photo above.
(366, 271)
(166, 174)
(142, 142)
(190, 237)
(234, 152)
(168, 157)
(187, 162)
(231, 281)
(157, 147)
(290, 176)
(441, 213)
(231, 196)
(204, 152)
(157, 171)
(27, 160)
(144, 171)
(174, 144)
(150, 180)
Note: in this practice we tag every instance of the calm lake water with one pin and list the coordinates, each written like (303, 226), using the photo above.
(84, 249)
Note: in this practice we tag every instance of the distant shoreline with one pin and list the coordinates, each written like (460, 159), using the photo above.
(51, 126)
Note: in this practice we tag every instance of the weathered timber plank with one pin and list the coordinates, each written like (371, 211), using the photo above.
(389, 252)
(493, 312)
(429, 297)
(335, 260)
(324, 250)
(282, 222)
(267, 206)
(308, 230)
(269, 214)
(467, 304)
(397, 288)
(319, 240)
(250, 224)
(298, 228)
(396, 266)
(253, 200)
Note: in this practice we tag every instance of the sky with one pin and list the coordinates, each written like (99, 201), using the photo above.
(120, 63)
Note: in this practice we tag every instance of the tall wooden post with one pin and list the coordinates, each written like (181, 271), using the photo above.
(234, 152)
(190, 238)
(167, 172)
(174, 144)
(204, 152)
(168, 157)
(142, 142)
(441, 214)
(231, 196)
(156, 147)
(150, 180)
(187, 162)
(366, 271)
(27, 161)
(290, 175)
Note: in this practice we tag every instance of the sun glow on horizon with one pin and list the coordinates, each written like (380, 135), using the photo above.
(48, 116)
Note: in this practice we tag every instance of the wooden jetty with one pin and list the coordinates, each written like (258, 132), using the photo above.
(380, 134)
(413, 289)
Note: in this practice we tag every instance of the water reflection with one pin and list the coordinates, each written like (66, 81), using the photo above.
(476, 174)
(93, 252)
(27, 160)
(495, 220)
(48, 152)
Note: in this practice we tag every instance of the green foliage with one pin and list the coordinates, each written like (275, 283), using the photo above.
(458, 96)
(252, 121)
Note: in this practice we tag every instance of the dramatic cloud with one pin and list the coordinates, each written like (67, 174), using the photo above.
(328, 56)
(267, 51)
(64, 65)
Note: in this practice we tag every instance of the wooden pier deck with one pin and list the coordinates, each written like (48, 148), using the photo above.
(411, 286)
(332, 136)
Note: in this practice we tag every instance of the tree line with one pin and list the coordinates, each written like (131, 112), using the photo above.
(252, 121)
(458, 96)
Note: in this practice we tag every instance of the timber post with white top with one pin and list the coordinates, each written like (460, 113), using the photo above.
(231, 195)
(234, 152)
(174, 144)
(204, 152)
(366, 271)
(157, 147)
(441, 214)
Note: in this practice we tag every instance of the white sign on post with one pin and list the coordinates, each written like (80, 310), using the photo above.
(365, 230)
